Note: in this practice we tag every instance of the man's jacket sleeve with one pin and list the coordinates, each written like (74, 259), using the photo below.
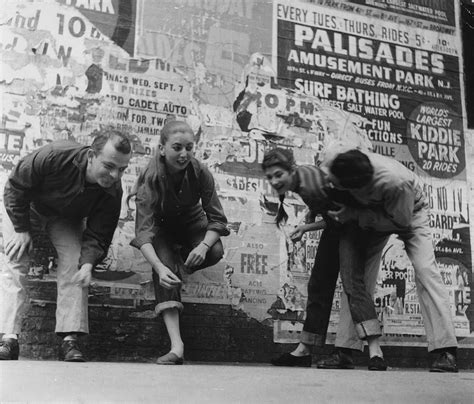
(100, 228)
(26, 177)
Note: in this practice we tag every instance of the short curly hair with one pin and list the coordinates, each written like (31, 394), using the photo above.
(119, 139)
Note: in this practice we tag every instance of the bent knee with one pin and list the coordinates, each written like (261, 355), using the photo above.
(215, 254)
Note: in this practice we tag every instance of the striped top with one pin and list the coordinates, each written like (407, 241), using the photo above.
(312, 185)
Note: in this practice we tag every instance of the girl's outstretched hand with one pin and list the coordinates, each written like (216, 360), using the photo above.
(168, 279)
(197, 256)
(297, 234)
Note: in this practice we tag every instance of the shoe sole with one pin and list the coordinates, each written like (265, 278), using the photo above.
(335, 367)
(438, 370)
(376, 368)
(170, 363)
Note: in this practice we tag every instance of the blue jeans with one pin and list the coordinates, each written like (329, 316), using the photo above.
(340, 248)
(173, 243)
(72, 300)
(432, 294)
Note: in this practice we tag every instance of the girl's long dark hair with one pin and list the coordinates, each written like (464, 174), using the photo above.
(282, 158)
(153, 176)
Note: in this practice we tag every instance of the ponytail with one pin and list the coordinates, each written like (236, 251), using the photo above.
(282, 216)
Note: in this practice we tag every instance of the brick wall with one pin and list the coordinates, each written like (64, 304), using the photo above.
(211, 333)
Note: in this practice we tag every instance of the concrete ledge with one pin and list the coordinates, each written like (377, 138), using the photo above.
(211, 333)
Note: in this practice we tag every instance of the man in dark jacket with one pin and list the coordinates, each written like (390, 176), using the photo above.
(72, 192)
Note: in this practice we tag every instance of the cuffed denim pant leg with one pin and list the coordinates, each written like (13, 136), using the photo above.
(71, 312)
(321, 286)
(169, 255)
(347, 334)
(432, 293)
(353, 249)
(173, 247)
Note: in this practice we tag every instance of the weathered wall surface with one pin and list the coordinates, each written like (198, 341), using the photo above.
(247, 75)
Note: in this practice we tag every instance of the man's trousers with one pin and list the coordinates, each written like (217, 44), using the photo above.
(432, 293)
(72, 299)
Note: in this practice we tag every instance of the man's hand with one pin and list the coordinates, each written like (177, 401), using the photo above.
(197, 256)
(83, 276)
(297, 233)
(167, 278)
(344, 214)
(18, 244)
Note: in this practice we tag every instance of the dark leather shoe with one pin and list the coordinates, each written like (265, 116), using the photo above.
(9, 349)
(445, 362)
(377, 363)
(288, 359)
(338, 360)
(70, 352)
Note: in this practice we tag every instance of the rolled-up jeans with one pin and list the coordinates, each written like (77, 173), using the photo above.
(340, 248)
(173, 242)
(432, 293)
(72, 300)
(352, 255)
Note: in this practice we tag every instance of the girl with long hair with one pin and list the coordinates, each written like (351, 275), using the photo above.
(179, 223)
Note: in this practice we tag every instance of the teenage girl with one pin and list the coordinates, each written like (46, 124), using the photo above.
(179, 224)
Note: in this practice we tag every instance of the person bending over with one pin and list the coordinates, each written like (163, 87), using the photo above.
(340, 247)
(74, 193)
(390, 200)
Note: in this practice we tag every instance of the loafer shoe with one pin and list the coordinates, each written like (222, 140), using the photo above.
(170, 359)
(288, 359)
(9, 349)
(337, 360)
(377, 363)
(70, 352)
(445, 362)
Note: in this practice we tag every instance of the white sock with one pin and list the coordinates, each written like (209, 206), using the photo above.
(70, 337)
(12, 336)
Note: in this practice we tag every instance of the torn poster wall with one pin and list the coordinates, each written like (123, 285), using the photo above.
(248, 75)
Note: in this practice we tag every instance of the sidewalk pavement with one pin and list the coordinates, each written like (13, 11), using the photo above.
(99, 382)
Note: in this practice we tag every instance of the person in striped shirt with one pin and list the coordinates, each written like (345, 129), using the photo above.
(341, 247)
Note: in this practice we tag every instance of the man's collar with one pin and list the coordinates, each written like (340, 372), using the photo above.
(80, 161)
